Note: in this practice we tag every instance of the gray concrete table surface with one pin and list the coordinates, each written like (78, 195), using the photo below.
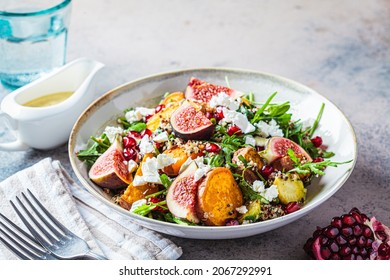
(339, 48)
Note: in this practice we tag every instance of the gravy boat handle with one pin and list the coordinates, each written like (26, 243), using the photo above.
(15, 145)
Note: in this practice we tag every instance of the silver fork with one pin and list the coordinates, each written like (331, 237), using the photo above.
(50, 233)
(20, 242)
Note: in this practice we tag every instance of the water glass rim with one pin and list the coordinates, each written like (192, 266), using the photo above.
(52, 9)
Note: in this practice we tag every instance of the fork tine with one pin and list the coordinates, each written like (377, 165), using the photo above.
(31, 228)
(19, 246)
(16, 250)
(22, 237)
(50, 216)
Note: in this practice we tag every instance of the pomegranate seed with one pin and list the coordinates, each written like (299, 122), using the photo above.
(210, 115)
(134, 134)
(341, 240)
(318, 159)
(146, 132)
(345, 250)
(158, 145)
(266, 171)
(334, 247)
(325, 252)
(331, 232)
(317, 141)
(148, 117)
(292, 207)
(348, 220)
(219, 113)
(212, 148)
(259, 148)
(347, 231)
(357, 230)
(129, 142)
(234, 130)
(157, 200)
(130, 154)
(159, 108)
(361, 241)
(232, 222)
(336, 222)
(384, 250)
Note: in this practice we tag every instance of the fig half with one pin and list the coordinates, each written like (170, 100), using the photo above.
(190, 123)
(182, 195)
(203, 91)
(110, 170)
(277, 147)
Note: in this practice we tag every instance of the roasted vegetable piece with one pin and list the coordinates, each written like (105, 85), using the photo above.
(154, 122)
(173, 97)
(218, 197)
(250, 155)
(134, 193)
(253, 213)
(290, 188)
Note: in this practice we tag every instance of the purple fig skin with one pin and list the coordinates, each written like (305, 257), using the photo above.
(277, 148)
(191, 124)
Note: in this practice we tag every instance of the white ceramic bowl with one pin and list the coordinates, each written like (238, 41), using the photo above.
(334, 128)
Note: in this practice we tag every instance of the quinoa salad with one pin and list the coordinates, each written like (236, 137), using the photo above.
(209, 155)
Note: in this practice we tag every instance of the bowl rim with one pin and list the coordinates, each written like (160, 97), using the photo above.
(111, 94)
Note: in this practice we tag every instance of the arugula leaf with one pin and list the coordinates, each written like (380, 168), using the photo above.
(90, 155)
(165, 180)
(317, 121)
(260, 111)
(311, 167)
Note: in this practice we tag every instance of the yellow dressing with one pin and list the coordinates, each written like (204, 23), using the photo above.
(49, 99)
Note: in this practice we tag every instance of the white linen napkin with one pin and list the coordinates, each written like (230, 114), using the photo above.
(106, 231)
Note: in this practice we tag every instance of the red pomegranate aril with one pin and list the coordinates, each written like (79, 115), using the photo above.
(130, 154)
(158, 145)
(210, 115)
(212, 148)
(384, 250)
(318, 159)
(346, 231)
(357, 217)
(292, 207)
(266, 171)
(134, 134)
(219, 113)
(331, 232)
(146, 132)
(367, 232)
(147, 117)
(352, 240)
(234, 130)
(357, 230)
(232, 222)
(317, 141)
(361, 241)
(348, 220)
(260, 148)
(334, 247)
(341, 240)
(345, 250)
(159, 108)
(325, 252)
(129, 142)
(336, 222)
(335, 256)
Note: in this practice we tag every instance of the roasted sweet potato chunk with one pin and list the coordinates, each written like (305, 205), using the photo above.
(218, 197)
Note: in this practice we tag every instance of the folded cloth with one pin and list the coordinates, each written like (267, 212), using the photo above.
(106, 231)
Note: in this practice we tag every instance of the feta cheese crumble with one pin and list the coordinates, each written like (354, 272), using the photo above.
(138, 113)
(250, 140)
(161, 137)
(112, 131)
(146, 146)
(132, 166)
(222, 99)
(242, 209)
(238, 119)
(269, 194)
(150, 169)
(137, 204)
(269, 129)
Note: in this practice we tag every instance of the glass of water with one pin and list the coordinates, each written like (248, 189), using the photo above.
(33, 36)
